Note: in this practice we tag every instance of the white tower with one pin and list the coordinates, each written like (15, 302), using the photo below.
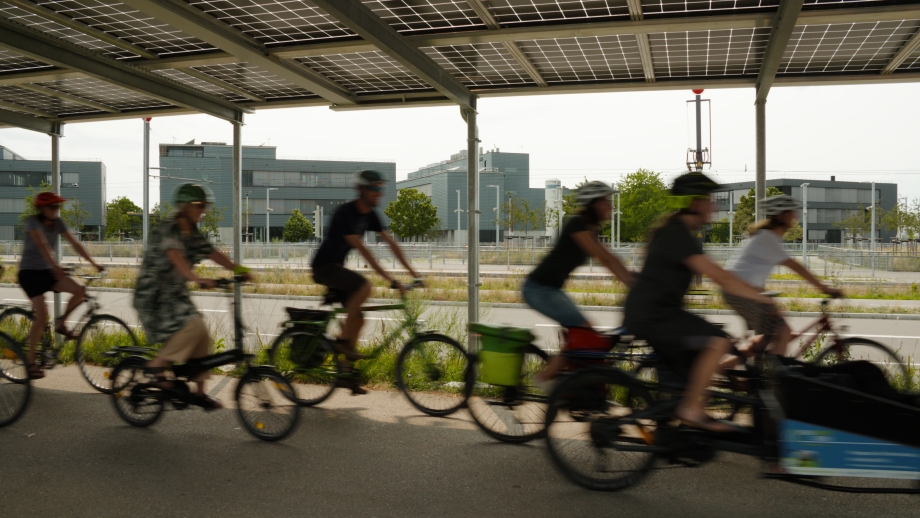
(554, 203)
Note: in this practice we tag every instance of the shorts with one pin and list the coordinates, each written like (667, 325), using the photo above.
(36, 282)
(339, 278)
(677, 338)
(553, 303)
(192, 341)
(761, 318)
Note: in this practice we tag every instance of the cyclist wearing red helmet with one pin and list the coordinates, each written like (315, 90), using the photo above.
(39, 273)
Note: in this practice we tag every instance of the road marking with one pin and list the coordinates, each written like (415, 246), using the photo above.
(214, 310)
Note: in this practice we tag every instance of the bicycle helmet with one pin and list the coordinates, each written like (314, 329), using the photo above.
(592, 191)
(367, 177)
(776, 205)
(194, 193)
(690, 186)
(46, 198)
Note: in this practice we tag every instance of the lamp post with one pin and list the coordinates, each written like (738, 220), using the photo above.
(872, 232)
(246, 232)
(731, 228)
(458, 211)
(497, 213)
(267, 211)
(805, 224)
(619, 217)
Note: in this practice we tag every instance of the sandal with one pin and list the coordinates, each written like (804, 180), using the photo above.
(35, 371)
(206, 402)
(62, 330)
(341, 347)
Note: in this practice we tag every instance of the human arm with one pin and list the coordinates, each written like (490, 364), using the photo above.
(590, 245)
(703, 265)
(181, 264)
(397, 251)
(221, 258)
(81, 250)
(355, 242)
(798, 268)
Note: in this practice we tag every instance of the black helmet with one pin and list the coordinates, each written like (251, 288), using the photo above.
(193, 192)
(690, 186)
(367, 177)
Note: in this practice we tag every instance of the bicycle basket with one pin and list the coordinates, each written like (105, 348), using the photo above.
(501, 356)
(307, 351)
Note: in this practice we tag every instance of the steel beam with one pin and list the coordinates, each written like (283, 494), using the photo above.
(237, 208)
(81, 27)
(205, 27)
(59, 53)
(783, 25)
(21, 120)
(482, 11)
(905, 52)
(359, 18)
(26, 109)
(207, 78)
(645, 50)
(50, 92)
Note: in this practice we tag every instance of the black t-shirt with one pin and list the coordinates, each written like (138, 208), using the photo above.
(346, 221)
(660, 287)
(555, 268)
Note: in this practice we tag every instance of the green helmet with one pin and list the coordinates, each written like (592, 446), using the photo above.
(192, 192)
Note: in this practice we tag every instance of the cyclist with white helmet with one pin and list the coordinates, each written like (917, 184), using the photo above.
(542, 288)
(753, 265)
(161, 295)
(346, 232)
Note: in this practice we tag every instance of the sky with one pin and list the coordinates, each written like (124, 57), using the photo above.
(857, 133)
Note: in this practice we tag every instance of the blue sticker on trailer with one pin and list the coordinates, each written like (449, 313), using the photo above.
(807, 449)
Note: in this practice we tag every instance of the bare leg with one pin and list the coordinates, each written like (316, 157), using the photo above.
(691, 408)
(40, 312)
(78, 295)
(354, 320)
(782, 339)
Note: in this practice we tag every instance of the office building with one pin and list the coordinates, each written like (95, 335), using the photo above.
(288, 184)
(506, 175)
(829, 202)
(82, 180)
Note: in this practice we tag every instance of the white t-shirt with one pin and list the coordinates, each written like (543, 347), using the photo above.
(759, 256)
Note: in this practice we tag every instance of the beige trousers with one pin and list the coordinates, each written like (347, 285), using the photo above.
(192, 341)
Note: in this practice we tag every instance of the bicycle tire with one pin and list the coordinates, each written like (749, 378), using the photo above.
(510, 414)
(602, 422)
(16, 323)
(431, 372)
(273, 403)
(15, 392)
(137, 400)
(856, 348)
(96, 368)
(312, 384)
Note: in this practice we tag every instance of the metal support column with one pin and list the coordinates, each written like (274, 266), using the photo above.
(619, 217)
(699, 133)
(56, 187)
(872, 233)
(146, 175)
(760, 184)
(237, 205)
(805, 225)
(472, 225)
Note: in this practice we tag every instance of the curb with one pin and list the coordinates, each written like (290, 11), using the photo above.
(511, 305)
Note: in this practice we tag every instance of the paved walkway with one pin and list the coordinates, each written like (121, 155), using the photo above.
(374, 455)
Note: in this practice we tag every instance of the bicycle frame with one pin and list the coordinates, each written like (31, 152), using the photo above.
(821, 326)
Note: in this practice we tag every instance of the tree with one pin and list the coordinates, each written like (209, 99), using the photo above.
(118, 222)
(160, 213)
(794, 234)
(297, 228)
(74, 213)
(210, 222)
(744, 214)
(412, 214)
(718, 232)
(857, 223)
(644, 198)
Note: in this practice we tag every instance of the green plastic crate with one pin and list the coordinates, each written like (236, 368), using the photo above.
(500, 358)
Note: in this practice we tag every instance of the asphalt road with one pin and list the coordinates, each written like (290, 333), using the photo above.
(70, 455)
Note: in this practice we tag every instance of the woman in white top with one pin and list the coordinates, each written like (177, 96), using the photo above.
(763, 252)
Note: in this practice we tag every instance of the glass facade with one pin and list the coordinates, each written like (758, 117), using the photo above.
(24, 179)
(296, 179)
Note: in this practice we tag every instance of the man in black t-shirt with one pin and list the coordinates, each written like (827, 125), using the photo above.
(349, 223)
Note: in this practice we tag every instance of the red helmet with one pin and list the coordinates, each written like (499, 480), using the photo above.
(46, 198)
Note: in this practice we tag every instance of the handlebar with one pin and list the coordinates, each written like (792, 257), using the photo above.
(415, 284)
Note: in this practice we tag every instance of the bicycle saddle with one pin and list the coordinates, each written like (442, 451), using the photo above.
(333, 296)
(306, 315)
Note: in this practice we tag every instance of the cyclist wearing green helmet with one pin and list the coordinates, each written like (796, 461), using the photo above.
(654, 306)
(161, 296)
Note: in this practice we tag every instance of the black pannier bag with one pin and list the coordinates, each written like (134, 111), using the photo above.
(307, 350)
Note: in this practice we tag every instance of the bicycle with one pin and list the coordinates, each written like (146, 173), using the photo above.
(96, 332)
(263, 396)
(429, 367)
(15, 387)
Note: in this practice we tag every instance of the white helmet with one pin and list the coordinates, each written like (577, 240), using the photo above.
(776, 205)
(592, 191)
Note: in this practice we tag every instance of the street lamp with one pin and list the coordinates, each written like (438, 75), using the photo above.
(731, 228)
(804, 224)
(246, 232)
(458, 211)
(497, 213)
(267, 211)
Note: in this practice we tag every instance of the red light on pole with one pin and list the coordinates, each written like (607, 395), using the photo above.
(697, 91)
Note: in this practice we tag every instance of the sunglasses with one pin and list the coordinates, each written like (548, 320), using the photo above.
(374, 188)
(54, 206)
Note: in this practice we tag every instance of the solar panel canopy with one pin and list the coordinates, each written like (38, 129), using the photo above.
(84, 60)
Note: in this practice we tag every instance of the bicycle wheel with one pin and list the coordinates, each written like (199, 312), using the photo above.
(16, 323)
(431, 371)
(266, 405)
(313, 380)
(594, 432)
(510, 414)
(855, 349)
(100, 335)
(136, 397)
(16, 389)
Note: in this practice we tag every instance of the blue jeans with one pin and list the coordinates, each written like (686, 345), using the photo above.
(553, 303)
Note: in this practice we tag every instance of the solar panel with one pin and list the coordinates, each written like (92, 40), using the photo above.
(912, 62)
(663, 7)
(425, 15)
(105, 93)
(602, 58)
(57, 30)
(536, 11)
(276, 21)
(194, 82)
(253, 79)
(365, 72)
(482, 64)
(724, 52)
(13, 62)
(42, 102)
(846, 47)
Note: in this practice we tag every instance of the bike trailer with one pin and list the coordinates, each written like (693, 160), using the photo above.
(501, 355)
(827, 429)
